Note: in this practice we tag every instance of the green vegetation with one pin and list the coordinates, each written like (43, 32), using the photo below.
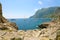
(52, 12)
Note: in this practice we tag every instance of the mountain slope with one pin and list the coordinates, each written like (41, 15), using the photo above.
(50, 12)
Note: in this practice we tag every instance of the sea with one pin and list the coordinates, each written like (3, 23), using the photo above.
(29, 23)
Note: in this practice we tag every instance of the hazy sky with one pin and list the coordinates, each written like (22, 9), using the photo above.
(25, 8)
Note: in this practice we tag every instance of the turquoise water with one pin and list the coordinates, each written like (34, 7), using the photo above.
(26, 24)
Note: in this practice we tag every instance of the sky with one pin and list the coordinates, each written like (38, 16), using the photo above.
(25, 8)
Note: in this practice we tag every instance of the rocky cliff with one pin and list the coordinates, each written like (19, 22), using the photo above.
(52, 32)
(50, 12)
(2, 19)
(48, 31)
(5, 24)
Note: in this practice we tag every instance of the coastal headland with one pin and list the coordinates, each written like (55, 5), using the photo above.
(46, 31)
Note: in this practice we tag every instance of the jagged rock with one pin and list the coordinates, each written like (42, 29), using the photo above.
(2, 19)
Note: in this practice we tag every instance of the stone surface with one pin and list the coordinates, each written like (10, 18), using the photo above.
(8, 26)
(44, 34)
(50, 33)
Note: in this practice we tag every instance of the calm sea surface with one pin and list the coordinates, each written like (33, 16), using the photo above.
(28, 24)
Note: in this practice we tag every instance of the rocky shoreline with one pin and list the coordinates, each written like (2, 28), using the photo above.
(9, 31)
(49, 33)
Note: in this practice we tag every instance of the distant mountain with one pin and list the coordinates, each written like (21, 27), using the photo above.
(51, 12)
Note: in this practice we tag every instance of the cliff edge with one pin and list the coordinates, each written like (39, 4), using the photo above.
(5, 24)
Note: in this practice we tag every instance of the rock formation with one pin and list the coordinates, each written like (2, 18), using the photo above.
(2, 19)
(4, 23)
(42, 26)
(49, 31)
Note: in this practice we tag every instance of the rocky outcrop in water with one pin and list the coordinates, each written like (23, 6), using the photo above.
(42, 26)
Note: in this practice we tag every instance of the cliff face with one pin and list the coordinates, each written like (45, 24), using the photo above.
(51, 12)
(5, 24)
(2, 19)
(0, 13)
(0, 10)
